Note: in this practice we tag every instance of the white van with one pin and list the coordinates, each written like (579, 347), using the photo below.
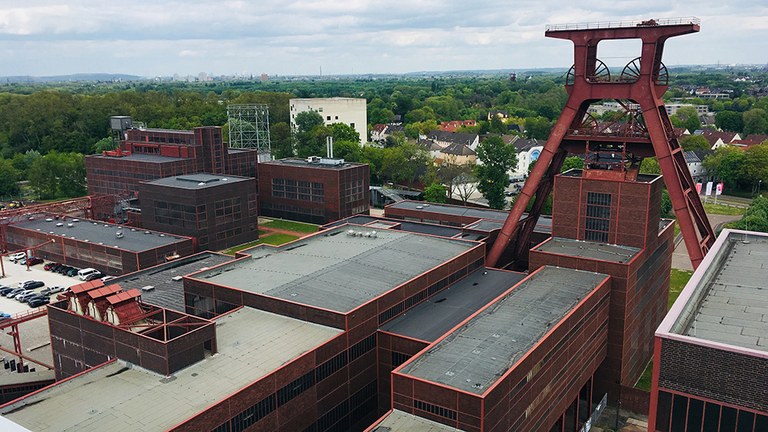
(83, 274)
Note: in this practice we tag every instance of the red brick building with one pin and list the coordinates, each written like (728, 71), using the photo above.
(711, 351)
(221, 211)
(612, 226)
(315, 190)
(149, 154)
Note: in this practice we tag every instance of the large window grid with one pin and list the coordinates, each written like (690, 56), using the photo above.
(598, 220)
(300, 190)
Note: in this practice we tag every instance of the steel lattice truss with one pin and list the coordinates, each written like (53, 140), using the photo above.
(249, 127)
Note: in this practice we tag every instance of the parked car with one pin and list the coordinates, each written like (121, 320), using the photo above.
(51, 290)
(34, 296)
(64, 269)
(5, 290)
(39, 302)
(94, 276)
(32, 284)
(12, 293)
(72, 272)
(84, 273)
(106, 279)
(34, 261)
(17, 256)
(24, 293)
(49, 266)
(4, 316)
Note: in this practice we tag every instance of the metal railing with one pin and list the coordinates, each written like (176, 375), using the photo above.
(620, 24)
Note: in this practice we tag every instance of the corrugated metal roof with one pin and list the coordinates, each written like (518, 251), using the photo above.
(86, 286)
(124, 296)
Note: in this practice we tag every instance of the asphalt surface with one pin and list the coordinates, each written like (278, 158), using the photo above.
(15, 273)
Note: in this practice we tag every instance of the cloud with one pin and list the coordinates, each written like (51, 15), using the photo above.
(297, 36)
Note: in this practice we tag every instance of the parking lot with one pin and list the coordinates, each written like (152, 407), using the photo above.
(15, 273)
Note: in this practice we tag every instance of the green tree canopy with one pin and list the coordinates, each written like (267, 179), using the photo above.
(572, 162)
(694, 142)
(727, 164)
(9, 176)
(497, 159)
(687, 117)
(756, 121)
(756, 216)
(435, 193)
(344, 132)
(731, 121)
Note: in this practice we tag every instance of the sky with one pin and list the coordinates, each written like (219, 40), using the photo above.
(307, 37)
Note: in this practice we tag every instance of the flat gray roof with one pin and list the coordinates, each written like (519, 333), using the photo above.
(143, 157)
(641, 178)
(399, 421)
(474, 356)
(488, 219)
(169, 292)
(727, 300)
(587, 249)
(445, 310)
(97, 232)
(121, 397)
(315, 165)
(198, 181)
(476, 212)
(417, 227)
(336, 271)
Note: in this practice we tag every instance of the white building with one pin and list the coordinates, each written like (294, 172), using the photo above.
(350, 111)
(672, 108)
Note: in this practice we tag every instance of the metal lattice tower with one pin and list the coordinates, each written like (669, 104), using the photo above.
(642, 82)
(249, 128)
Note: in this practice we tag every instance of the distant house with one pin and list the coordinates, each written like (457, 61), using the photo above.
(452, 126)
(444, 139)
(528, 150)
(694, 161)
(750, 140)
(719, 139)
(380, 132)
(498, 113)
(458, 154)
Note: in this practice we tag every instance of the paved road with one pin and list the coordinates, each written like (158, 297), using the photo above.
(680, 258)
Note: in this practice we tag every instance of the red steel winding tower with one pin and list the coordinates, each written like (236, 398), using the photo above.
(645, 130)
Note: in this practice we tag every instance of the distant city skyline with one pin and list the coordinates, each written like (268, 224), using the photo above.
(41, 38)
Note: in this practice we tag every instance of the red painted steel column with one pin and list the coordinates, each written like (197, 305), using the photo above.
(532, 184)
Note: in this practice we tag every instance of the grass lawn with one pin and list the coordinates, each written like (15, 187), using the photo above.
(273, 239)
(720, 209)
(291, 226)
(677, 280)
(677, 229)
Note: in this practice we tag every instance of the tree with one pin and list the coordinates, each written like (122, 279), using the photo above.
(309, 134)
(497, 159)
(756, 121)
(537, 127)
(727, 163)
(344, 132)
(694, 142)
(756, 163)
(104, 144)
(464, 186)
(756, 216)
(404, 164)
(58, 175)
(348, 150)
(281, 141)
(687, 117)
(8, 179)
(650, 166)
(450, 174)
(729, 121)
(435, 193)
(572, 162)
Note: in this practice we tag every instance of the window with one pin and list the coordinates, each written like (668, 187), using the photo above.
(598, 220)
(298, 190)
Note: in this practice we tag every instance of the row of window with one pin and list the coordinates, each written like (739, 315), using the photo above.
(298, 190)
(261, 409)
(434, 409)
(681, 413)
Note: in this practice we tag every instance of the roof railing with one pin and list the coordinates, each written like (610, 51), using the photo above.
(620, 24)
